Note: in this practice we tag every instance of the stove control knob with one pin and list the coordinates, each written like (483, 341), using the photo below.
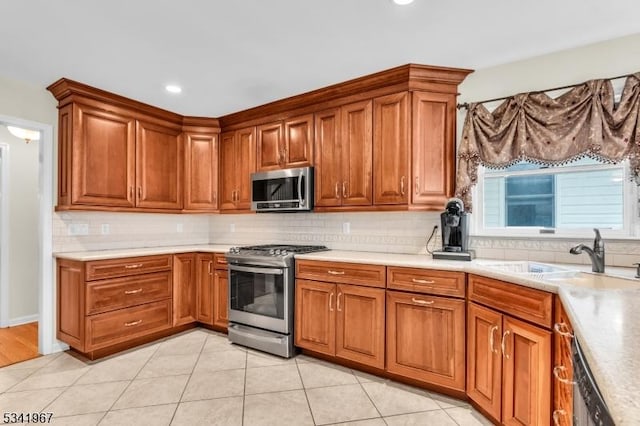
(272, 252)
(284, 252)
(278, 251)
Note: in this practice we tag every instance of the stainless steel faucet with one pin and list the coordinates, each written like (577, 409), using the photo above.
(596, 254)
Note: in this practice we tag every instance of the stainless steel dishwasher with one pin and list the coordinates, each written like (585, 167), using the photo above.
(589, 408)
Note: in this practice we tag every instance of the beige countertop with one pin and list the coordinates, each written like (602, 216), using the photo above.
(606, 322)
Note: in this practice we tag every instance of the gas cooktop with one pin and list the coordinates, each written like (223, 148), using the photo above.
(276, 249)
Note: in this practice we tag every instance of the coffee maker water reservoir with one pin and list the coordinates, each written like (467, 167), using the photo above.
(455, 232)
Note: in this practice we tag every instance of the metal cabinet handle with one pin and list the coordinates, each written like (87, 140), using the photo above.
(331, 302)
(503, 344)
(335, 272)
(344, 190)
(422, 302)
(402, 185)
(139, 192)
(210, 266)
(134, 266)
(417, 186)
(133, 291)
(562, 329)
(132, 323)
(337, 193)
(556, 416)
(339, 294)
(419, 281)
(556, 373)
(131, 192)
(491, 339)
(214, 196)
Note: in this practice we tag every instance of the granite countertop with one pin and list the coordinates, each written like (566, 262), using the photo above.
(605, 322)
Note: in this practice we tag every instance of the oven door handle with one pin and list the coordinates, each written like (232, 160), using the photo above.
(254, 270)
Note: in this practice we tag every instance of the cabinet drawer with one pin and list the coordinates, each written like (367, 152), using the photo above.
(125, 324)
(339, 272)
(523, 302)
(118, 293)
(219, 261)
(112, 268)
(431, 281)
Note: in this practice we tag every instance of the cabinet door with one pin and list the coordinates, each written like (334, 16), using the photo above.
(360, 324)
(103, 160)
(328, 167)
(201, 171)
(433, 146)
(391, 149)
(205, 296)
(425, 338)
(245, 164)
(184, 288)
(526, 392)
(563, 364)
(298, 141)
(315, 321)
(228, 173)
(356, 142)
(270, 147)
(484, 358)
(221, 298)
(158, 166)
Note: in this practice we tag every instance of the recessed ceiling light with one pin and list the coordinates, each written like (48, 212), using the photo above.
(172, 88)
(402, 2)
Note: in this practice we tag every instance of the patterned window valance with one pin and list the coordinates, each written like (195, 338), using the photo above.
(583, 122)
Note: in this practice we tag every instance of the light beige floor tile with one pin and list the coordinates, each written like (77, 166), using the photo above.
(80, 420)
(445, 401)
(9, 378)
(261, 359)
(142, 352)
(340, 404)
(392, 398)
(184, 345)
(216, 361)
(158, 415)
(467, 416)
(33, 363)
(85, 399)
(303, 359)
(113, 370)
(170, 365)
(28, 401)
(369, 422)
(277, 409)
(366, 377)
(64, 362)
(219, 343)
(50, 380)
(435, 418)
(156, 391)
(272, 379)
(212, 412)
(218, 384)
(316, 375)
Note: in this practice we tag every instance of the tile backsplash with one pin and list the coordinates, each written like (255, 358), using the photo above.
(388, 232)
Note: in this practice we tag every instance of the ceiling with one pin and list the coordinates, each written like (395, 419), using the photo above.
(229, 55)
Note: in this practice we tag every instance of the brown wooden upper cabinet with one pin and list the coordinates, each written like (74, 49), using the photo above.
(343, 145)
(237, 162)
(285, 144)
(201, 171)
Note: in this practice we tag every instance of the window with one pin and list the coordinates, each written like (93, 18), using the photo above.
(530, 199)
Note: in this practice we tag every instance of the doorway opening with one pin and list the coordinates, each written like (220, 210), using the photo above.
(26, 264)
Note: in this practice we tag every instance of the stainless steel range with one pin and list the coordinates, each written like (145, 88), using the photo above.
(261, 296)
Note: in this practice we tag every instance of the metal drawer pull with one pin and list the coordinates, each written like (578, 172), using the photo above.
(132, 323)
(422, 302)
(561, 328)
(556, 373)
(335, 272)
(331, 302)
(344, 190)
(491, 339)
(503, 344)
(337, 193)
(402, 186)
(556, 416)
(417, 186)
(339, 294)
(137, 265)
(418, 281)
(133, 291)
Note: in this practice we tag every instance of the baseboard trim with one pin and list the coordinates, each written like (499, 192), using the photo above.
(12, 322)
(59, 347)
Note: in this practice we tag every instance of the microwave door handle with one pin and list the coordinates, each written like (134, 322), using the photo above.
(270, 271)
(300, 198)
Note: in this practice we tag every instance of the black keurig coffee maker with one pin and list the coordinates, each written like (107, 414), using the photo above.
(455, 232)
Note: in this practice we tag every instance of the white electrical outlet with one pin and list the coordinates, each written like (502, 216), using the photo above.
(232, 227)
(179, 227)
(105, 229)
(78, 229)
(346, 227)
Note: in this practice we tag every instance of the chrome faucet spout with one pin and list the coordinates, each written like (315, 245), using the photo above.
(596, 254)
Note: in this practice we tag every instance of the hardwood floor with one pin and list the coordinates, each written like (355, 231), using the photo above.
(18, 343)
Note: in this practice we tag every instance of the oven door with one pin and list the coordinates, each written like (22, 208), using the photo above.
(260, 296)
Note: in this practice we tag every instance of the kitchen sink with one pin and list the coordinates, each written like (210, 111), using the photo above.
(525, 267)
(595, 281)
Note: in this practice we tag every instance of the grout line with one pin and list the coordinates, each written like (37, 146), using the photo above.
(204, 343)
(304, 390)
(244, 390)
(369, 396)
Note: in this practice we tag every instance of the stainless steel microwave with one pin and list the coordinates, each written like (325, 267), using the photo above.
(286, 190)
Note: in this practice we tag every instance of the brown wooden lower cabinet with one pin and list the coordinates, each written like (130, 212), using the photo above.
(184, 288)
(562, 367)
(508, 367)
(204, 278)
(220, 293)
(425, 338)
(341, 320)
